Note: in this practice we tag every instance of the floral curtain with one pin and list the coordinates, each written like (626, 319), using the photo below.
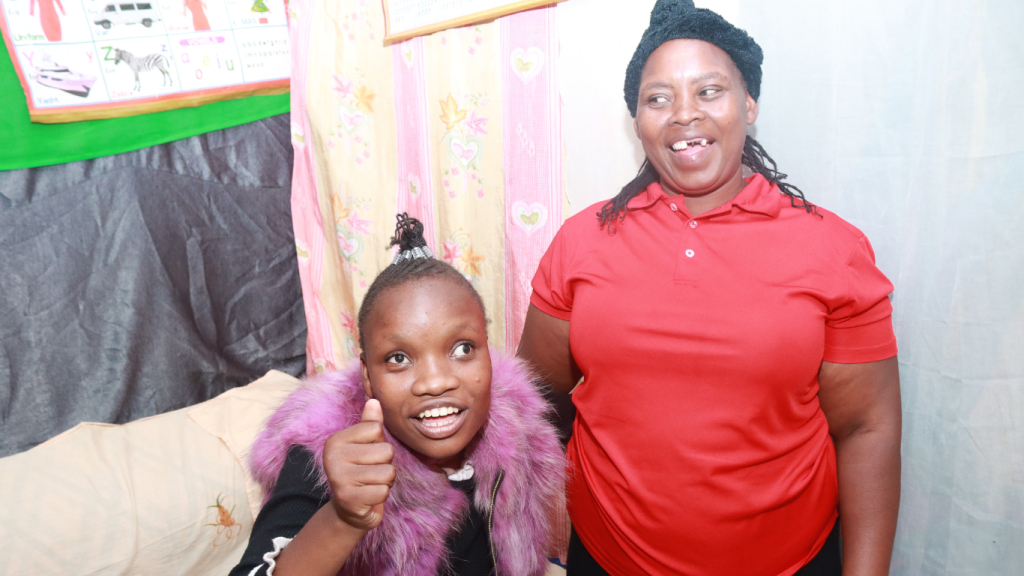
(461, 129)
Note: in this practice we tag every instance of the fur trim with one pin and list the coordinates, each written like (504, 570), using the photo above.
(423, 507)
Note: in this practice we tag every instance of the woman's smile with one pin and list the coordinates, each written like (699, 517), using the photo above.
(441, 418)
(692, 148)
(440, 426)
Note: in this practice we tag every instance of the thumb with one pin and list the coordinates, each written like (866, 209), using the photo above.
(372, 411)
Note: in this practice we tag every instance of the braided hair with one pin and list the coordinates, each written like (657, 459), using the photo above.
(754, 157)
(413, 261)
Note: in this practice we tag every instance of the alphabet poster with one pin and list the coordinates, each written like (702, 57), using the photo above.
(87, 59)
(408, 18)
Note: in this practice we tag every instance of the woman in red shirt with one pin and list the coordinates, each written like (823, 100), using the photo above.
(740, 385)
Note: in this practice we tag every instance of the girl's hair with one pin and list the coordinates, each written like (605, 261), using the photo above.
(412, 262)
(754, 157)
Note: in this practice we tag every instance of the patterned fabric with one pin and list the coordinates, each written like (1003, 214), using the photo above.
(533, 155)
(472, 149)
(463, 125)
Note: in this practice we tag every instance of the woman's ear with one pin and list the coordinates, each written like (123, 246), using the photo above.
(751, 110)
(366, 375)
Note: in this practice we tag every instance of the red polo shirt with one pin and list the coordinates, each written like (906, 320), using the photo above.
(699, 446)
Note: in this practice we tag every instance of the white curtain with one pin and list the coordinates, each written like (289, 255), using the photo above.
(905, 118)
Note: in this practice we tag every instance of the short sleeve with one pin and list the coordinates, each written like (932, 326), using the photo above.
(859, 329)
(552, 291)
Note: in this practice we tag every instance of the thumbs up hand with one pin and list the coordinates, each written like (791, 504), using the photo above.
(357, 461)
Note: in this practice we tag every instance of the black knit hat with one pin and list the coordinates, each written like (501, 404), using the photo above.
(676, 19)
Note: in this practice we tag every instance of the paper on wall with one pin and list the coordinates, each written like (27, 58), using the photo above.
(87, 59)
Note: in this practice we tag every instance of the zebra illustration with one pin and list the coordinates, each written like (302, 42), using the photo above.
(144, 64)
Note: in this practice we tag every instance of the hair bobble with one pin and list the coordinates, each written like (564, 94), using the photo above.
(412, 254)
(414, 260)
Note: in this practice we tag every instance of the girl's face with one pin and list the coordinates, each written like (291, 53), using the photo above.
(426, 361)
(692, 115)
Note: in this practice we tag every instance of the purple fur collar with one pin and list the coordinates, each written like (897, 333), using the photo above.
(422, 508)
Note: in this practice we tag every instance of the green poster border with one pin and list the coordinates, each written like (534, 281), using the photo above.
(27, 145)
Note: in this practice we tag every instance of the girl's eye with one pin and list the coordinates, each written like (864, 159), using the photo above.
(709, 92)
(397, 358)
(657, 100)
(463, 349)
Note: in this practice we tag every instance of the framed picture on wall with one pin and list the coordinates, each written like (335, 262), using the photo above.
(405, 19)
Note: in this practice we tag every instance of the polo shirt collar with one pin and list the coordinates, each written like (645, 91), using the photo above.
(759, 197)
(647, 198)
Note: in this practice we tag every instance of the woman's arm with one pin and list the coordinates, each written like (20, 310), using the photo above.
(862, 405)
(545, 345)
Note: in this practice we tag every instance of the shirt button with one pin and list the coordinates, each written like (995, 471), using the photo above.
(689, 253)
(674, 208)
(693, 223)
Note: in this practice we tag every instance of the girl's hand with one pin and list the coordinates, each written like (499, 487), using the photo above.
(357, 461)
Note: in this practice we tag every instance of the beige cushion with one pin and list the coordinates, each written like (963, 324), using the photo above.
(141, 498)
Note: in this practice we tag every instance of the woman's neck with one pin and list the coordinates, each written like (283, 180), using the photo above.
(697, 205)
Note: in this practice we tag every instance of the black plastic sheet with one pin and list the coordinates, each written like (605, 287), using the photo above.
(145, 282)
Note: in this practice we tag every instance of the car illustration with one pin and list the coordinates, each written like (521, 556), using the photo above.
(126, 13)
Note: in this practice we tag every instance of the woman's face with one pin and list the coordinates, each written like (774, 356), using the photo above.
(692, 116)
(426, 361)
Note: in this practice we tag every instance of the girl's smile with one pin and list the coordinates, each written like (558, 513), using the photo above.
(426, 361)
(440, 423)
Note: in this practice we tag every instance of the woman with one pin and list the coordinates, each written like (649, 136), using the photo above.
(740, 378)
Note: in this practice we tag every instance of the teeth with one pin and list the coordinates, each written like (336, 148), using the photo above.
(683, 145)
(438, 412)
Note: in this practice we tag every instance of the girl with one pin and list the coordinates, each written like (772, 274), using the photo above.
(432, 455)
